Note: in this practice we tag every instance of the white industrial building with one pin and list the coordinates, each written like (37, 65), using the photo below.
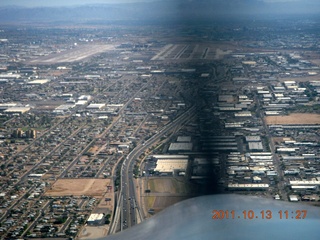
(38, 82)
(19, 110)
(167, 156)
(168, 164)
(171, 165)
(63, 108)
(81, 102)
(252, 186)
(95, 219)
(253, 138)
(184, 139)
(96, 106)
(180, 146)
(255, 146)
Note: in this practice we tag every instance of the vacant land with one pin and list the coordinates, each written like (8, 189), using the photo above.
(165, 192)
(294, 118)
(167, 185)
(92, 232)
(78, 187)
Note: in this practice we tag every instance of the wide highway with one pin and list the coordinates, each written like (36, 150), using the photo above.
(128, 208)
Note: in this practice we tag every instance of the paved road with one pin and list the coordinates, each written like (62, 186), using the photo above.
(129, 206)
(276, 160)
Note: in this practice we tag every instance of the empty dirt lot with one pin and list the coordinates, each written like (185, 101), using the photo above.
(78, 187)
(294, 119)
(166, 191)
(167, 185)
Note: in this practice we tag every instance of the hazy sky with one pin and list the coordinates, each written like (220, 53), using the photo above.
(35, 3)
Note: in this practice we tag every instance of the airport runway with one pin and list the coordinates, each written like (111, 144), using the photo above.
(76, 54)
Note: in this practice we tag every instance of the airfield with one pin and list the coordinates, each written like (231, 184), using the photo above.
(78, 53)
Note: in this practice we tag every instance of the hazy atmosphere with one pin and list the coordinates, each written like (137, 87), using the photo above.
(151, 11)
(36, 3)
(160, 119)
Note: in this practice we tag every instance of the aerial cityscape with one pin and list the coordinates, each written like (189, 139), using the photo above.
(104, 124)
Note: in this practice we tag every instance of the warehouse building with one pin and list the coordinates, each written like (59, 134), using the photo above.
(255, 146)
(169, 166)
(38, 82)
(180, 146)
(184, 139)
(248, 187)
(4, 106)
(18, 110)
(95, 219)
(253, 138)
(96, 106)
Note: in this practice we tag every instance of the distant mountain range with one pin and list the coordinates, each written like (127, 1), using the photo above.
(161, 11)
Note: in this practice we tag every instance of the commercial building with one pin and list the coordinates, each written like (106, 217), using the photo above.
(95, 219)
(255, 146)
(38, 82)
(171, 165)
(252, 186)
(181, 146)
(96, 106)
(19, 110)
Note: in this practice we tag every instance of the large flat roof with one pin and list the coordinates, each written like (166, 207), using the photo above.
(96, 105)
(255, 146)
(95, 217)
(169, 165)
(180, 147)
(184, 139)
(248, 186)
(17, 110)
(38, 82)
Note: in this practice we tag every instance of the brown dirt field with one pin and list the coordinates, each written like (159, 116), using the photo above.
(166, 191)
(161, 185)
(92, 232)
(93, 149)
(78, 187)
(301, 79)
(20, 147)
(160, 203)
(315, 61)
(294, 118)
(150, 201)
(167, 185)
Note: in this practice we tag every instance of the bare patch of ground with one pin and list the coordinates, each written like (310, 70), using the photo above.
(294, 118)
(166, 191)
(167, 185)
(78, 187)
(105, 206)
(301, 79)
(93, 149)
(21, 147)
(161, 202)
(92, 232)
